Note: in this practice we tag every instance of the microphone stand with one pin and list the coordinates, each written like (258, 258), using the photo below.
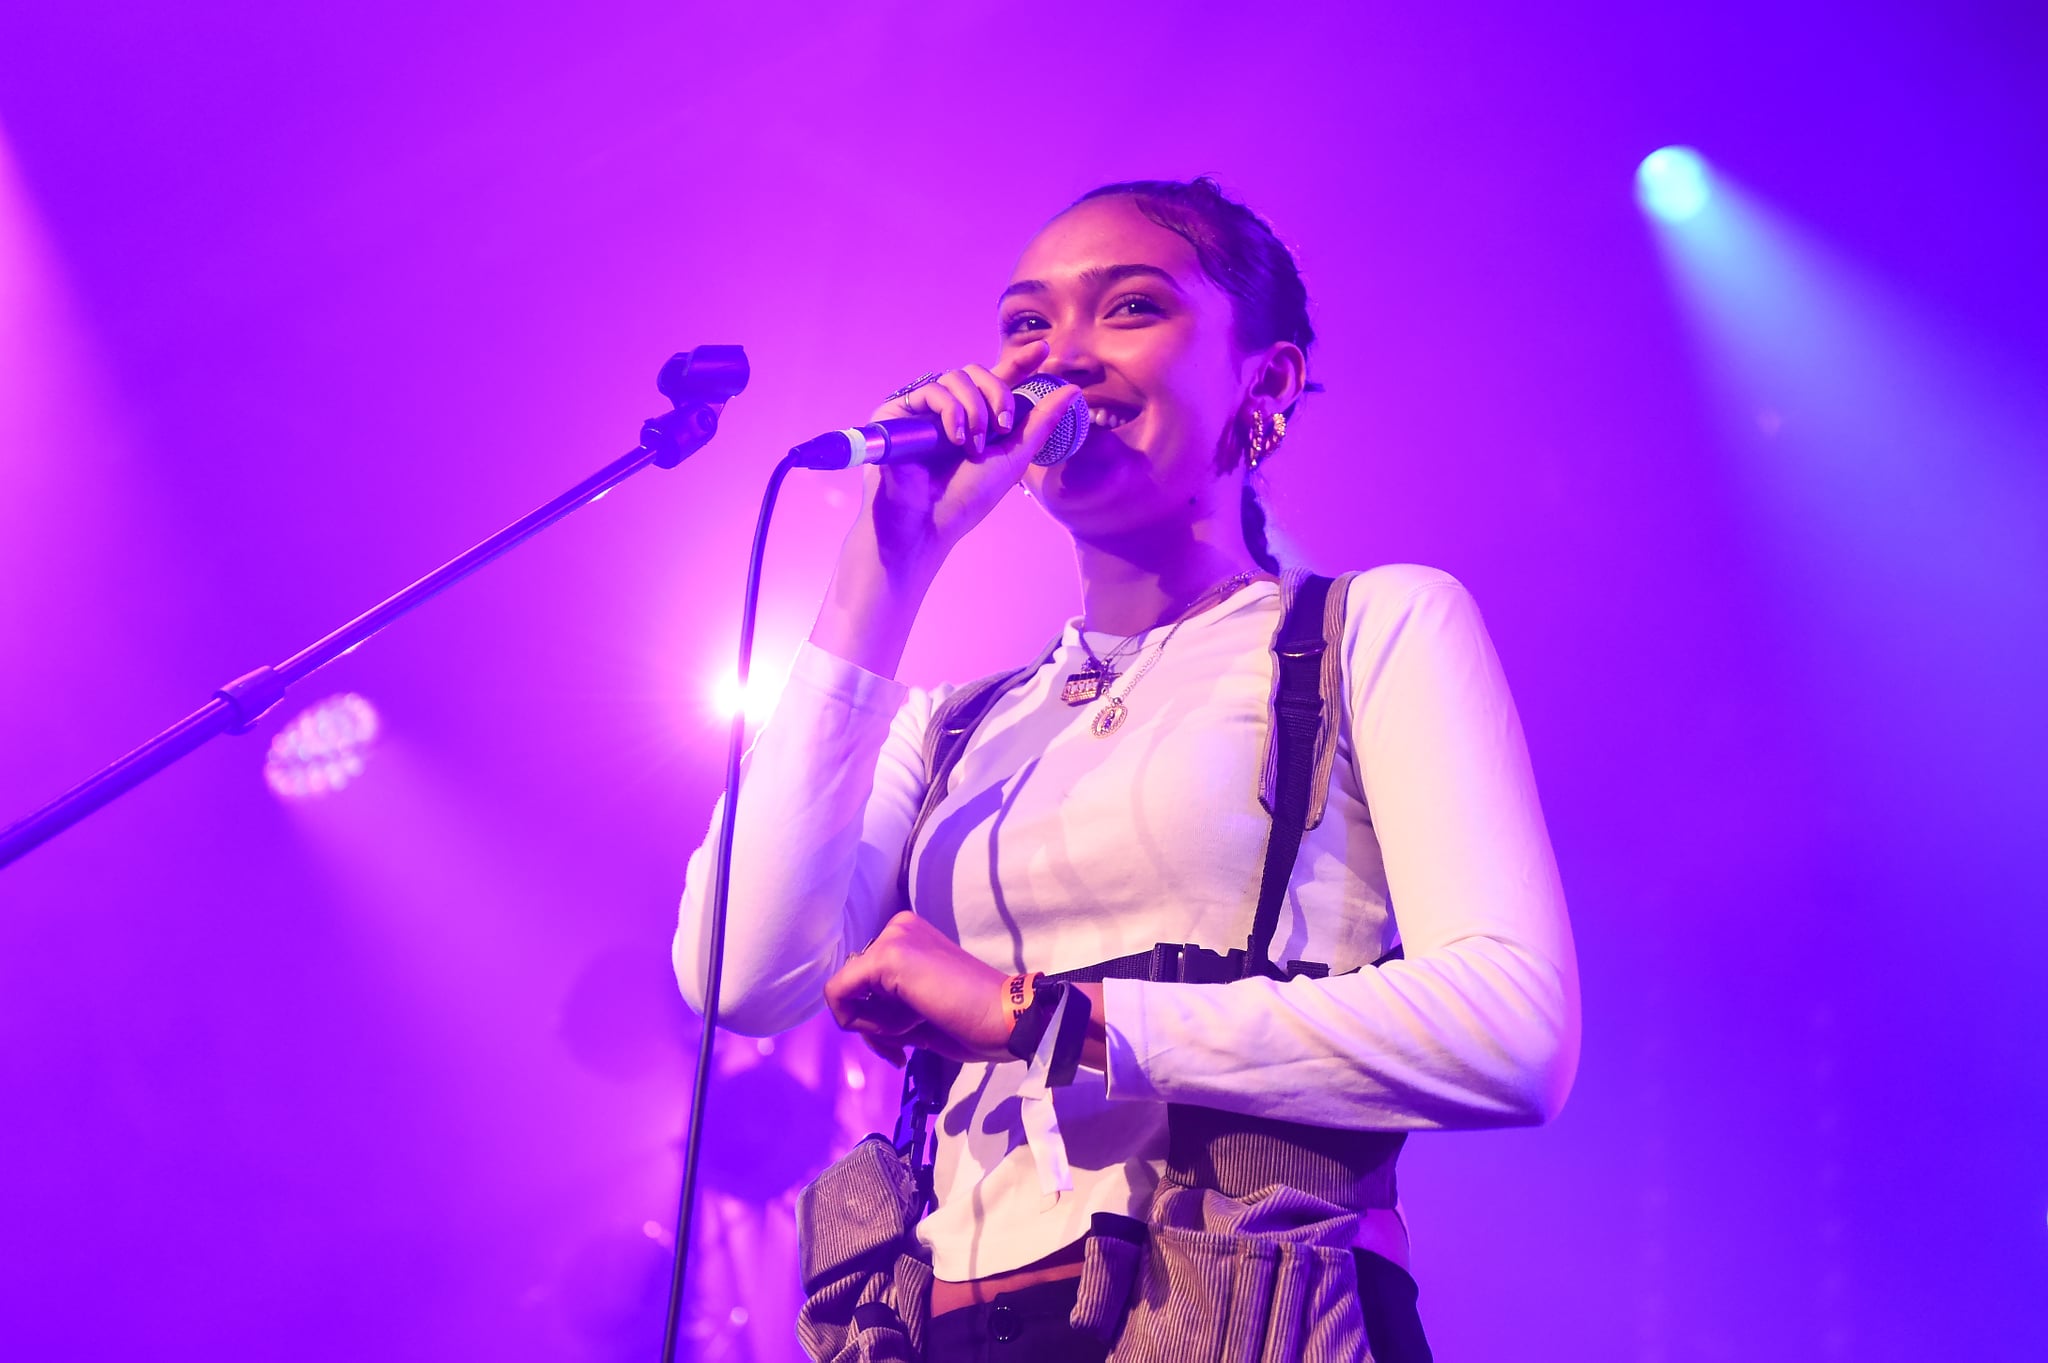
(698, 382)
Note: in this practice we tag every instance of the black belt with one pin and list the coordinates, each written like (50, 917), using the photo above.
(1186, 963)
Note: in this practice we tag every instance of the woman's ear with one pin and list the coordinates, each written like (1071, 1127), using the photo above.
(1281, 376)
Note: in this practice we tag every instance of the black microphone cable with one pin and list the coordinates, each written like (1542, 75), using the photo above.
(721, 874)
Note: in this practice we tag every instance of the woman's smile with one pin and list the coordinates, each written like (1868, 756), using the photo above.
(1106, 414)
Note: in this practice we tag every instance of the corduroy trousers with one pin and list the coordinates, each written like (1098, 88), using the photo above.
(1032, 1324)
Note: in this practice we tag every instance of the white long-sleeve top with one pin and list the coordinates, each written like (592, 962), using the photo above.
(1055, 849)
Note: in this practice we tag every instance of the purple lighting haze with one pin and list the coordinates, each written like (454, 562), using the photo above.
(299, 301)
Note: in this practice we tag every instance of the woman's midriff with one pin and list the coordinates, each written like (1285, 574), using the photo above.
(1380, 1230)
(1061, 1263)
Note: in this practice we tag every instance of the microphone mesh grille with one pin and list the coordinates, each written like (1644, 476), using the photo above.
(1072, 430)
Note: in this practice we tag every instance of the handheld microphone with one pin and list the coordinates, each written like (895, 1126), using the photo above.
(906, 438)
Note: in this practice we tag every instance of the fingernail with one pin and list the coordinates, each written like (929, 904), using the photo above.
(1003, 418)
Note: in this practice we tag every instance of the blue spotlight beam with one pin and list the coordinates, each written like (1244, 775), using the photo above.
(1673, 183)
(699, 382)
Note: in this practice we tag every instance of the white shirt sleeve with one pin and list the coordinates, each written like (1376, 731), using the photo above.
(830, 789)
(1479, 1024)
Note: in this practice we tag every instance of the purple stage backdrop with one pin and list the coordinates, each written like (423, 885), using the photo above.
(297, 301)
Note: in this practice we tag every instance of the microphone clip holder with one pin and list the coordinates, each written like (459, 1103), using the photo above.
(699, 383)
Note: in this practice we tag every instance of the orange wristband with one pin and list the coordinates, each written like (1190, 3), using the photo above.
(1018, 992)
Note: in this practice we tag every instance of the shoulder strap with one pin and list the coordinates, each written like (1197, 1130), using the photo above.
(1335, 594)
(1302, 742)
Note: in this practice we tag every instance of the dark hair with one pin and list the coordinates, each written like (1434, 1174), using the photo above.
(1242, 256)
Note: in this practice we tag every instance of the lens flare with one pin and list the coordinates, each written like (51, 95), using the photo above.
(323, 749)
(762, 691)
(1673, 184)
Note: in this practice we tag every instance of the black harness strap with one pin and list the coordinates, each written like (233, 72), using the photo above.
(1297, 722)
(1298, 646)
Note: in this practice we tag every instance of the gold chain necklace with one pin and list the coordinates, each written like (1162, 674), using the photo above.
(1113, 657)
(1116, 709)
(1100, 673)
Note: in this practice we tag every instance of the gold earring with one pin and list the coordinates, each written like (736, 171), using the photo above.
(1279, 428)
(1257, 440)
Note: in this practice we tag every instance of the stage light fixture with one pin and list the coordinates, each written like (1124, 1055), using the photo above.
(323, 749)
(1673, 184)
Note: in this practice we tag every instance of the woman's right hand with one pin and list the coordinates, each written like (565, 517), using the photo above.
(912, 514)
(920, 511)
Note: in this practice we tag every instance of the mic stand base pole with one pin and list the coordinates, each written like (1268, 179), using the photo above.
(665, 441)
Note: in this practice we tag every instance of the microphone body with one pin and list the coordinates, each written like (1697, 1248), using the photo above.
(906, 439)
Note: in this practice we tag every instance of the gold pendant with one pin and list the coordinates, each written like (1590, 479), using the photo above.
(1085, 686)
(1108, 719)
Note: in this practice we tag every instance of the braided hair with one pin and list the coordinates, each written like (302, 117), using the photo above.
(1241, 255)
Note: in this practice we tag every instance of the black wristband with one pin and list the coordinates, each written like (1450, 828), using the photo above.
(1073, 1035)
(1030, 1026)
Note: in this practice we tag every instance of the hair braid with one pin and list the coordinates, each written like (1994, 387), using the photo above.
(1254, 516)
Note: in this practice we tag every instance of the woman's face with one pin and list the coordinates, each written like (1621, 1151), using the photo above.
(1130, 317)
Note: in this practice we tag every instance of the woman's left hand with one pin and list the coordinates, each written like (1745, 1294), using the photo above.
(914, 986)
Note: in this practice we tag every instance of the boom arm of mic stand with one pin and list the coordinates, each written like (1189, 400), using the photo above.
(720, 372)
